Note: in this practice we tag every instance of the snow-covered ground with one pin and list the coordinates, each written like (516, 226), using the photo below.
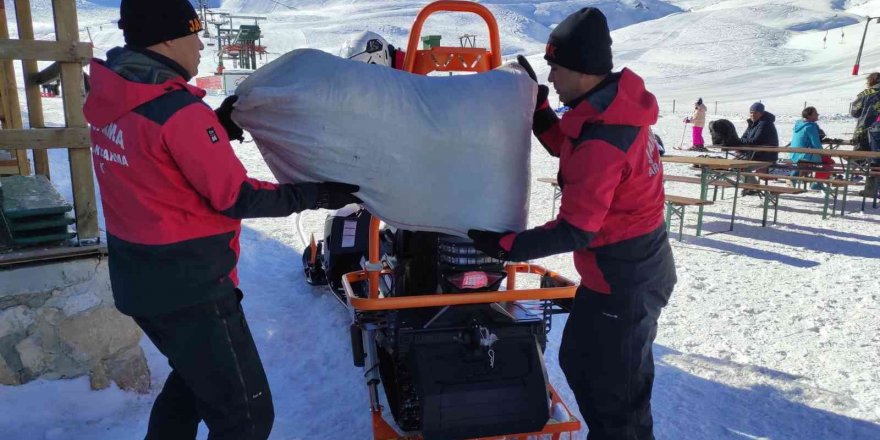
(772, 333)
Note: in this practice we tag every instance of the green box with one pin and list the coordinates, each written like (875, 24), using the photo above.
(430, 41)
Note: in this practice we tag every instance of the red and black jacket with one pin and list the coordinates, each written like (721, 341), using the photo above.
(611, 178)
(173, 190)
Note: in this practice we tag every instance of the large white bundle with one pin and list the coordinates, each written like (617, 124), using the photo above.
(443, 154)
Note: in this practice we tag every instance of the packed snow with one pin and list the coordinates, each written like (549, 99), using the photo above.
(772, 332)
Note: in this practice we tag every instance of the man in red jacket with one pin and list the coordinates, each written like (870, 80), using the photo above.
(611, 217)
(174, 194)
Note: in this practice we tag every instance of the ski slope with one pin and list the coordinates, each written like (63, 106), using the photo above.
(772, 333)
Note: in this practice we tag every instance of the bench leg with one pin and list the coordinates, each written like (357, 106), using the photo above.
(775, 202)
(834, 201)
(668, 215)
(681, 223)
(827, 192)
(735, 198)
(766, 205)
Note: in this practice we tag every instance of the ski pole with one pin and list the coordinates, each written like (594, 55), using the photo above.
(683, 132)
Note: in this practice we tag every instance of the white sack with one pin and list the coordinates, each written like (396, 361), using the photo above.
(440, 153)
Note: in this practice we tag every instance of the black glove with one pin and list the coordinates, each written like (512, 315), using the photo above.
(543, 91)
(489, 243)
(528, 67)
(334, 195)
(224, 114)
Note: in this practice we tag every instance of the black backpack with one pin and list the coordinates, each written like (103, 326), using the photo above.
(723, 133)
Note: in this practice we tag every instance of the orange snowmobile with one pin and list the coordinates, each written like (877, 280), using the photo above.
(458, 357)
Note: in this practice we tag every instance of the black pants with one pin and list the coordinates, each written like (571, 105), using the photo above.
(216, 374)
(607, 359)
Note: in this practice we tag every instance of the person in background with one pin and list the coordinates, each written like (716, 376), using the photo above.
(699, 121)
(874, 141)
(761, 132)
(807, 135)
(174, 195)
(866, 108)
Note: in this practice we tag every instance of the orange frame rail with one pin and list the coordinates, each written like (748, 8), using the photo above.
(452, 59)
(374, 270)
(383, 431)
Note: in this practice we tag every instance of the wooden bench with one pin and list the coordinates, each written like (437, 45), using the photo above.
(831, 187)
(770, 193)
(675, 205)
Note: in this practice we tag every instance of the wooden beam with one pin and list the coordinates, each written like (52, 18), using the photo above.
(44, 138)
(24, 19)
(50, 73)
(73, 94)
(9, 94)
(63, 51)
(52, 253)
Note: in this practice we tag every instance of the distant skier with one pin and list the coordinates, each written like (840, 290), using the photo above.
(699, 121)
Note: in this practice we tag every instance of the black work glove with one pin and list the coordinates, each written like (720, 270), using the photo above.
(489, 243)
(335, 195)
(543, 91)
(224, 114)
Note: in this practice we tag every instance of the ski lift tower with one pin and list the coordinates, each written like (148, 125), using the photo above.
(468, 40)
(855, 70)
(203, 17)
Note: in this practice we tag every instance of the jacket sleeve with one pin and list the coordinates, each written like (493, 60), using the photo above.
(855, 109)
(586, 199)
(546, 127)
(201, 150)
(813, 136)
(754, 133)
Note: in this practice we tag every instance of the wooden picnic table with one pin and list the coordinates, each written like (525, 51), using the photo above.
(715, 163)
(847, 154)
(860, 160)
(714, 170)
(557, 192)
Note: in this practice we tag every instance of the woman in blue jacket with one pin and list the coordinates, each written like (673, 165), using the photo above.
(806, 135)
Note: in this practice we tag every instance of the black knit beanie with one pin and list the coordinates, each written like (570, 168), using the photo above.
(148, 22)
(582, 43)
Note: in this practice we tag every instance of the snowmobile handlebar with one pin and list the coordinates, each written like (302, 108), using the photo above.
(452, 59)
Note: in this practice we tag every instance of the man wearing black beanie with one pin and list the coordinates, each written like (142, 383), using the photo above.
(611, 217)
(174, 194)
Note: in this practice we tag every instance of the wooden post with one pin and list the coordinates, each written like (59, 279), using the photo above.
(67, 29)
(716, 107)
(32, 91)
(9, 94)
(673, 106)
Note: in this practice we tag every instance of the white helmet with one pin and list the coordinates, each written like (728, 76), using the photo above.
(368, 47)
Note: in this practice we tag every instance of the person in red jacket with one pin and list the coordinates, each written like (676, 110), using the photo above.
(174, 194)
(611, 217)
